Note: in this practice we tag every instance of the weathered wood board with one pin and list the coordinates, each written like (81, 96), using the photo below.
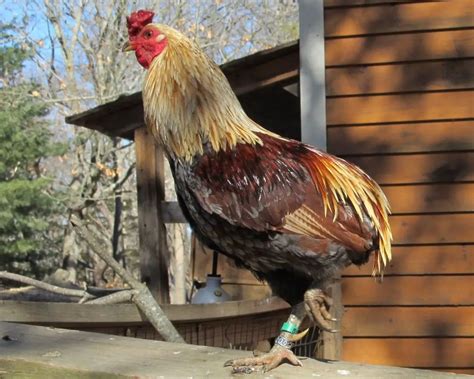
(154, 254)
(49, 353)
(76, 315)
(409, 17)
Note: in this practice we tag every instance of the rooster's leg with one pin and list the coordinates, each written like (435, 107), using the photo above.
(317, 304)
(280, 352)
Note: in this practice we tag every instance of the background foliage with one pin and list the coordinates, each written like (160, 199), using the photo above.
(27, 205)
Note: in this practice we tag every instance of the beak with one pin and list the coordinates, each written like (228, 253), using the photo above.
(127, 46)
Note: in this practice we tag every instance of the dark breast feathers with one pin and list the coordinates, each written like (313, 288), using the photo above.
(259, 205)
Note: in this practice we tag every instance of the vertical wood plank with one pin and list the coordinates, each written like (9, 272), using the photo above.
(312, 73)
(331, 347)
(313, 127)
(154, 254)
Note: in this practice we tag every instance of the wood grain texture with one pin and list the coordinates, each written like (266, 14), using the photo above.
(409, 290)
(431, 198)
(48, 349)
(332, 342)
(171, 213)
(282, 70)
(433, 229)
(466, 371)
(400, 47)
(154, 255)
(411, 352)
(401, 77)
(401, 138)
(422, 260)
(408, 322)
(400, 108)
(399, 18)
(97, 115)
(407, 260)
(418, 168)
(76, 315)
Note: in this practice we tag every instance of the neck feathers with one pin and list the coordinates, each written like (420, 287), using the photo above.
(189, 103)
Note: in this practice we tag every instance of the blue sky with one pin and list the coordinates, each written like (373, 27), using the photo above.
(37, 27)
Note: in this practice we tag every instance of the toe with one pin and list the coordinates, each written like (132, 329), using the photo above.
(325, 313)
(315, 311)
(243, 370)
(263, 363)
(317, 304)
(277, 359)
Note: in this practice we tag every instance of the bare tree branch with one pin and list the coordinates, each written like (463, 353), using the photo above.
(45, 286)
(143, 297)
(117, 297)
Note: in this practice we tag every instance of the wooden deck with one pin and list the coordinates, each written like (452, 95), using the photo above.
(40, 352)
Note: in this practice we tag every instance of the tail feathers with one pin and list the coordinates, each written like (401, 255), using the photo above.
(339, 181)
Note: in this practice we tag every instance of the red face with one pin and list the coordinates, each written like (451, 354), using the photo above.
(148, 44)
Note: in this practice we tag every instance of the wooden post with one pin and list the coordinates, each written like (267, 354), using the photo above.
(313, 128)
(312, 73)
(154, 255)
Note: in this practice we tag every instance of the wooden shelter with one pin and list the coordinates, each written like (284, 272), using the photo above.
(399, 103)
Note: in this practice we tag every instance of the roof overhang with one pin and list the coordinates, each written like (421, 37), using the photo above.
(274, 68)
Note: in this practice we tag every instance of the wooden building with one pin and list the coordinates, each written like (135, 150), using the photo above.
(399, 103)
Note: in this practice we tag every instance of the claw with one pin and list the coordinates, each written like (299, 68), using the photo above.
(325, 313)
(243, 370)
(328, 300)
(297, 337)
(264, 362)
(314, 311)
(317, 304)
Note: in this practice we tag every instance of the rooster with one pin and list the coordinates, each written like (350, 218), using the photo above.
(291, 214)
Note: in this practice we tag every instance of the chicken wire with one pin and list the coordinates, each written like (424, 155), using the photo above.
(239, 333)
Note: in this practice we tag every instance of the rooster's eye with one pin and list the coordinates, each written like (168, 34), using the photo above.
(148, 34)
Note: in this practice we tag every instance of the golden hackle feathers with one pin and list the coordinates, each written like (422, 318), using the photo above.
(189, 102)
(340, 182)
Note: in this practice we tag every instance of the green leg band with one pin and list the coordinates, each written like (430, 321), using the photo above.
(289, 327)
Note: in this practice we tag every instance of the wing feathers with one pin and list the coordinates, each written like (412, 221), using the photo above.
(284, 185)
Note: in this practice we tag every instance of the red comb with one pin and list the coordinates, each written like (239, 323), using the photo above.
(137, 21)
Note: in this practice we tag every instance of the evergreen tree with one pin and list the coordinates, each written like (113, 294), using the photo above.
(26, 208)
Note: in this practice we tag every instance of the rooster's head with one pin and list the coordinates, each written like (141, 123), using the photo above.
(145, 38)
(188, 103)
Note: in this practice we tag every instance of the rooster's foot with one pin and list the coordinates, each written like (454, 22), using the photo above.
(317, 304)
(264, 362)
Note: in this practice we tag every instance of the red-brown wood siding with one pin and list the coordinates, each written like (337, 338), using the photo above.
(400, 105)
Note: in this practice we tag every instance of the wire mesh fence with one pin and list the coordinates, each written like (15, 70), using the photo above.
(239, 333)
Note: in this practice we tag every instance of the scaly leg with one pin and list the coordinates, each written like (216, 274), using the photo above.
(280, 352)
